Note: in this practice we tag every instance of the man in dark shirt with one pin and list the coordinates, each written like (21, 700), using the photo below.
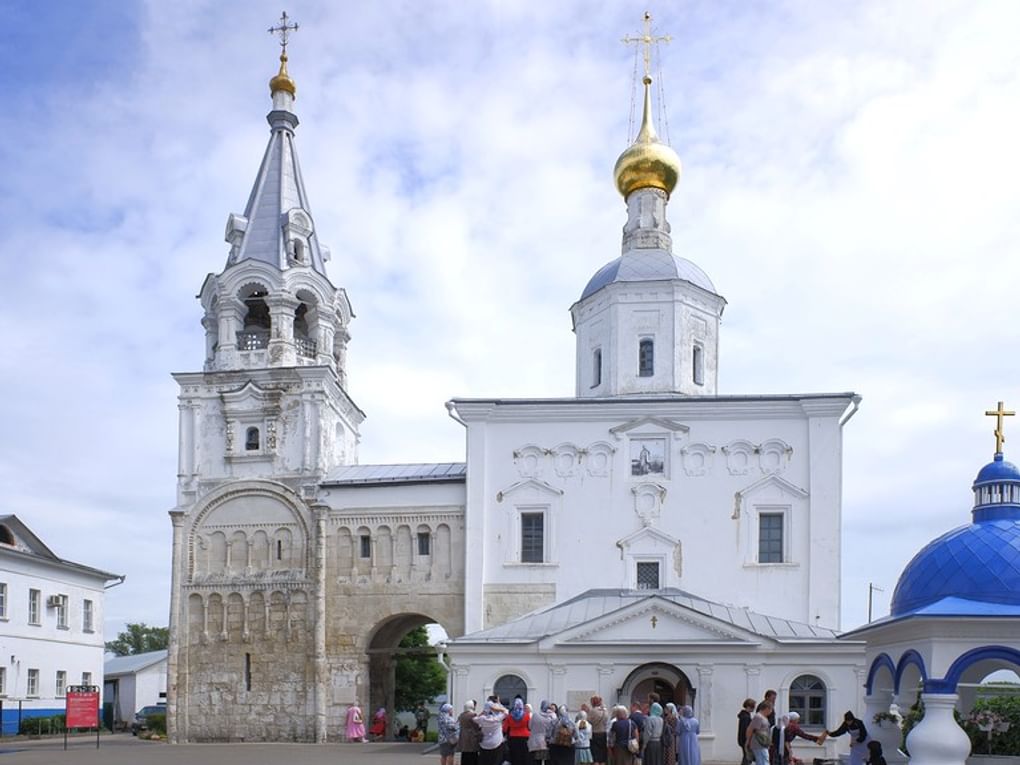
(743, 720)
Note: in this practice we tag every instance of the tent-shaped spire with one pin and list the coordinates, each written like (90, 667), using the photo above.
(277, 225)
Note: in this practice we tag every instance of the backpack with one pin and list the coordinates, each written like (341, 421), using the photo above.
(564, 736)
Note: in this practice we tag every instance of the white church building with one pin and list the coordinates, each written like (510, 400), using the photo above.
(649, 533)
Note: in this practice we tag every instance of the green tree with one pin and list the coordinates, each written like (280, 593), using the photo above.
(139, 638)
(419, 675)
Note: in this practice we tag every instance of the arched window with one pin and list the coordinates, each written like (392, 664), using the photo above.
(698, 365)
(807, 698)
(257, 322)
(596, 368)
(251, 440)
(646, 358)
(306, 347)
(6, 537)
(508, 687)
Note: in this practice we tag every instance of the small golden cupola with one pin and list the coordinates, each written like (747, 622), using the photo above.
(282, 80)
(648, 162)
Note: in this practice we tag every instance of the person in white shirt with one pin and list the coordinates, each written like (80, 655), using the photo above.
(490, 721)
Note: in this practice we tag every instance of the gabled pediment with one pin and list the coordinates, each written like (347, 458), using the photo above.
(649, 536)
(249, 397)
(653, 620)
(772, 486)
(17, 536)
(651, 424)
(529, 485)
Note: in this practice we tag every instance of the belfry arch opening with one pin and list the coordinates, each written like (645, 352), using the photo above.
(384, 651)
(257, 324)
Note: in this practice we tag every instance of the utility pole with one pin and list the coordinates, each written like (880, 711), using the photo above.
(872, 589)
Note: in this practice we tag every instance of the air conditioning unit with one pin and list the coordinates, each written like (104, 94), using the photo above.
(55, 601)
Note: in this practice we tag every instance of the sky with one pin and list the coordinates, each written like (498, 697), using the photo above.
(850, 186)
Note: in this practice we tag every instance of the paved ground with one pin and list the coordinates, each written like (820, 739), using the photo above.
(125, 749)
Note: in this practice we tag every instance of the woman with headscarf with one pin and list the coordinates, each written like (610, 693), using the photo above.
(538, 749)
(470, 735)
(669, 734)
(619, 737)
(599, 719)
(449, 734)
(378, 729)
(560, 738)
(490, 722)
(858, 737)
(517, 732)
(355, 724)
(651, 736)
(687, 747)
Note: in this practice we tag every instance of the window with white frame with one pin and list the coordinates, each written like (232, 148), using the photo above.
(770, 538)
(807, 698)
(34, 607)
(698, 365)
(61, 682)
(62, 612)
(646, 357)
(532, 537)
(32, 686)
(3, 600)
(596, 368)
(647, 575)
(86, 678)
(3, 681)
(87, 616)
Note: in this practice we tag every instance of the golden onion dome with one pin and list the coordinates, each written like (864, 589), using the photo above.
(282, 80)
(647, 163)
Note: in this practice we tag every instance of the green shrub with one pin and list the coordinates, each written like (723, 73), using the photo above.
(157, 723)
(1007, 742)
(40, 726)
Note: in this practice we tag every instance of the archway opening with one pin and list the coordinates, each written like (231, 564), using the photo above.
(404, 671)
(666, 680)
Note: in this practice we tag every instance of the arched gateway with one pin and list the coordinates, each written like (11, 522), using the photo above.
(669, 682)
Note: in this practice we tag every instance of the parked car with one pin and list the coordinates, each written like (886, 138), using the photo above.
(142, 717)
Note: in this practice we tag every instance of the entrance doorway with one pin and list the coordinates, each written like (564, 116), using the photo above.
(668, 681)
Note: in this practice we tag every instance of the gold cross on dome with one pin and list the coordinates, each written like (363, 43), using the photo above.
(648, 40)
(283, 30)
(655, 620)
(998, 414)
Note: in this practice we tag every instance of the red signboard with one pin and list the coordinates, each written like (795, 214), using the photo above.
(82, 709)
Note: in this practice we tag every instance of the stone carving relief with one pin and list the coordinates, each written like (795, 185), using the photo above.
(697, 459)
(774, 456)
(529, 460)
(599, 459)
(740, 456)
(648, 498)
(566, 460)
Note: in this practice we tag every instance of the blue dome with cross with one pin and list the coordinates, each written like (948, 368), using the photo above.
(974, 567)
(979, 562)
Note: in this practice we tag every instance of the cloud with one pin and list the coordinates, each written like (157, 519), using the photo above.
(849, 185)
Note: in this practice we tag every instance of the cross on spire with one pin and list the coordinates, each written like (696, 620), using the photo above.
(648, 40)
(283, 30)
(998, 414)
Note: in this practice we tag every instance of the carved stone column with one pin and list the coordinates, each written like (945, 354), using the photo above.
(705, 673)
(321, 670)
(176, 719)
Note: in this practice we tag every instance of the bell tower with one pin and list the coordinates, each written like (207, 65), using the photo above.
(271, 401)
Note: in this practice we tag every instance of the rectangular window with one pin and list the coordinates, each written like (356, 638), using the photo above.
(646, 358)
(86, 616)
(532, 537)
(62, 612)
(3, 600)
(61, 683)
(32, 689)
(34, 607)
(3, 681)
(423, 543)
(247, 671)
(596, 368)
(698, 365)
(648, 575)
(366, 546)
(86, 678)
(770, 538)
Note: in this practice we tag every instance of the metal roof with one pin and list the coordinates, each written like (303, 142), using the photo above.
(596, 603)
(125, 665)
(646, 265)
(420, 472)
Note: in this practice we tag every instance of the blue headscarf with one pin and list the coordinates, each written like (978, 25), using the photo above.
(517, 713)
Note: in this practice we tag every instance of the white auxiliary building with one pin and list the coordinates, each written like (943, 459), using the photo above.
(51, 625)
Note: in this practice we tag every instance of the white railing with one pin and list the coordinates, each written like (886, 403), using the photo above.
(252, 341)
(305, 347)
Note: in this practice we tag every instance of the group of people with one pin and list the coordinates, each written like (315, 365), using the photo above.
(354, 729)
(553, 736)
(764, 740)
